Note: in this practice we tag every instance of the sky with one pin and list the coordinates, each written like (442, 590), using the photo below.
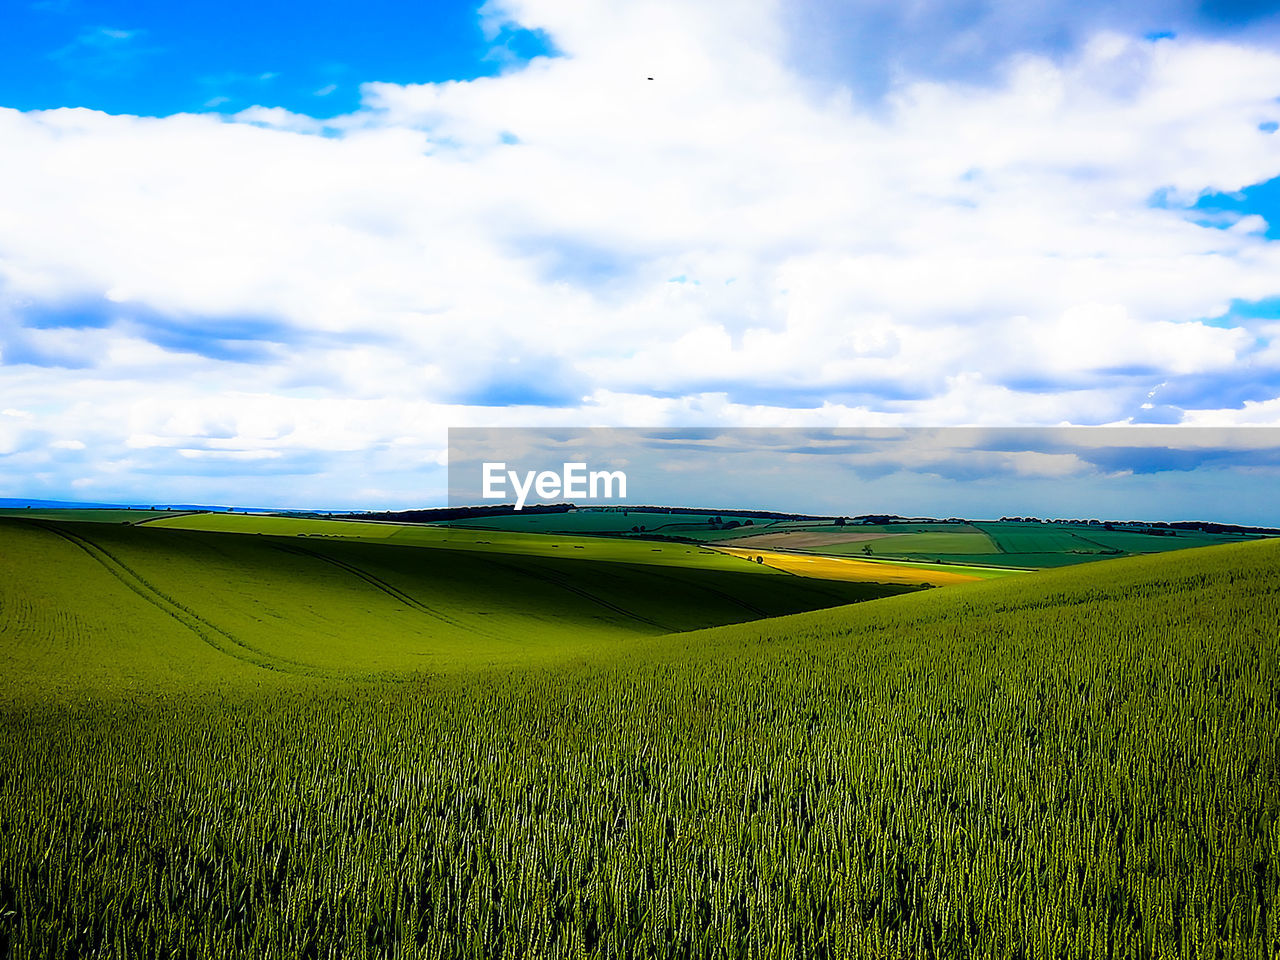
(1145, 473)
(254, 257)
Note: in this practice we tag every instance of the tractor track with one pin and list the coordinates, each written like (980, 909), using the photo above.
(213, 636)
(392, 591)
(563, 584)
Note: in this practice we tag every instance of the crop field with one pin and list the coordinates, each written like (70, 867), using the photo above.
(1050, 545)
(601, 521)
(826, 540)
(1000, 543)
(926, 544)
(220, 745)
(496, 542)
(278, 526)
(983, 544)
(859, 570)
(90, 515)
(109, 596)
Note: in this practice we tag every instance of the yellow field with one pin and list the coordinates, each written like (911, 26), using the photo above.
(846, 568)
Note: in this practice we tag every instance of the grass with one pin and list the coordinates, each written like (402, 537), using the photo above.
(135, 606)
(87, 515)
(278, 526)
(601, 521)
(865, 570)
(1011, 545)
(1077, 763)
(1039, 538)
(496, 542)
(927, 543)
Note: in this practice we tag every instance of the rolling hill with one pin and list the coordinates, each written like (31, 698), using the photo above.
(1079, 762)
(97, 605)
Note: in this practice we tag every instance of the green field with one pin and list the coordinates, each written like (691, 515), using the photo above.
(265, 746)
(1052, 545)
(923, 545)
(109, 597)
(999, 543)
(89, 515)
(496, 542)
(283, 526)
(605, 535)
(603, 521)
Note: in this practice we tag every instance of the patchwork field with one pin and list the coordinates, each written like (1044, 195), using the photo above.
(602, 521)
(87, 515)
(868, 571)
(1008, 544)
(1001, 543)
(223, 745)
(806, 539)
(109, 594)
(496, 542)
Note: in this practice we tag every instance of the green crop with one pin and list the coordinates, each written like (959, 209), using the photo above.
(1079, 763)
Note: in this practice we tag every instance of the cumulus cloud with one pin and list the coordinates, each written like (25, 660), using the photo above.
(571, 242)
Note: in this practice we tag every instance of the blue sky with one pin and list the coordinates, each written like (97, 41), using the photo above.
(253, 256)
(152, 58)
(1147, 473)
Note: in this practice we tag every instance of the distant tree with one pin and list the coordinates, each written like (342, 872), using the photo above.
(867, 549)
(759, 559)
(748, 522)
(840, 521)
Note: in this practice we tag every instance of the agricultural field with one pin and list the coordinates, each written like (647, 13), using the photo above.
(1049, 545)
(217, 603)
(496, 542)
(603, 534)
(997, 543)
(860, 569)
(223, 745)
(87, 515)
(923, 544)
(603, 522)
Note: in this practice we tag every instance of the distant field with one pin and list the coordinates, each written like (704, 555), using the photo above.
(105, 598)
(607, 535)
(926, 544)
(260, 746)
(600, 521)
(1048, 545)
(867, 571)
(88, 515)
(278, 526)
(828, 540)
(1013, 545)
(611, 549)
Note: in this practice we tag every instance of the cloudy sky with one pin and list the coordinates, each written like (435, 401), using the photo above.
(251, 258)
(1154, 472)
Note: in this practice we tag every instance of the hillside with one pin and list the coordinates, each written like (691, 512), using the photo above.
(1081, 762)
(104, 606)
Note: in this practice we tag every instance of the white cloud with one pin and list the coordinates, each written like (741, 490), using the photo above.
(962, 255)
